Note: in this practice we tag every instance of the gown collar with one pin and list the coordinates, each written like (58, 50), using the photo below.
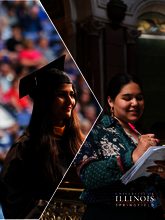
(59, 130)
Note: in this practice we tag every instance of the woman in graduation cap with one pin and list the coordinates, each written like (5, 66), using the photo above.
(35, 164)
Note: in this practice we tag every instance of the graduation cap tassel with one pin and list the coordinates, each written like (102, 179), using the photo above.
(35, 80)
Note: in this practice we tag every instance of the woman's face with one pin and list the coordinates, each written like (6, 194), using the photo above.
(62, 104)
(128, 104)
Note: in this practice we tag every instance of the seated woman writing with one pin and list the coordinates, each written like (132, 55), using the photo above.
(110, 150)
(35, 165)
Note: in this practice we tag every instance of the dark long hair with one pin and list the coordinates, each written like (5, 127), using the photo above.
(117, 83)
(41, 132)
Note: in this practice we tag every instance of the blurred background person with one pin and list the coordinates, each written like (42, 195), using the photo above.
(29, 56)
(14, 44)
(6, 76)
(5, 28)
(45, 50)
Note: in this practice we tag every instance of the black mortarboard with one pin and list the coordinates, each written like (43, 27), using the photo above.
(45, 79)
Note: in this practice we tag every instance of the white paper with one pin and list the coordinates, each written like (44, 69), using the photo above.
(146, 160)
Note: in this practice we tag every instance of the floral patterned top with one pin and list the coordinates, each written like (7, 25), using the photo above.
(102, 160)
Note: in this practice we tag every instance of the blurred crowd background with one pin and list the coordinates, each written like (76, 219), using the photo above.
(28, 41)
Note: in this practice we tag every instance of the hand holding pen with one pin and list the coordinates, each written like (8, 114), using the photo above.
(145, 142)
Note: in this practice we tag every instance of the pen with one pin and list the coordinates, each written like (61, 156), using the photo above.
(158, 144)
(134, 129)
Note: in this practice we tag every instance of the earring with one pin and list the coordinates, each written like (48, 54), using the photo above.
(112, 111)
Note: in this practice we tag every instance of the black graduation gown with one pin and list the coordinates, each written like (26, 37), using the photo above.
(25, 189)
